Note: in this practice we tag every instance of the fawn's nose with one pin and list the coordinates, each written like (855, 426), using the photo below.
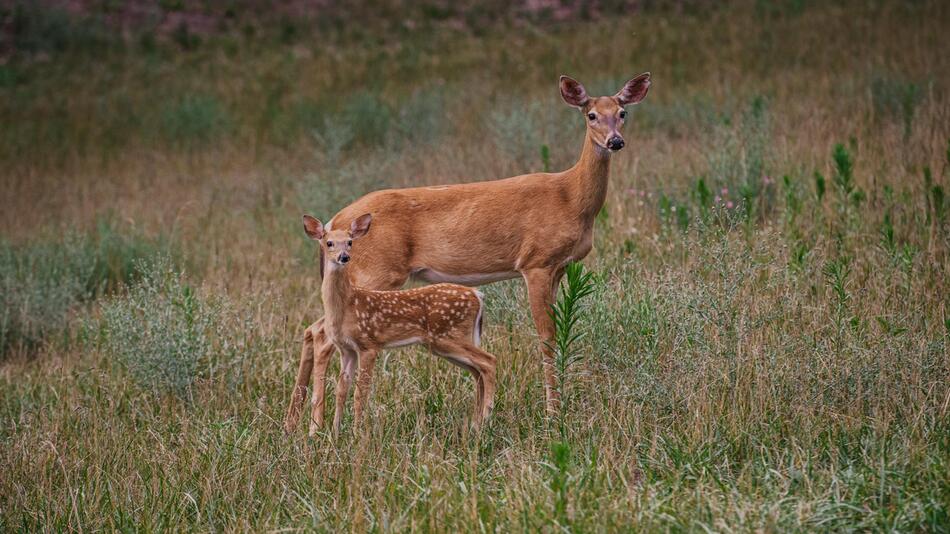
(344, 257)
(615, 143)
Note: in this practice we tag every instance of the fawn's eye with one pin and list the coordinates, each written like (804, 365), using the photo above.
(623, 114)
(349, 243)
(592, 116)
(329, 243)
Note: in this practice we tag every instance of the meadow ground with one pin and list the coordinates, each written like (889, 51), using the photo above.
(767, 347)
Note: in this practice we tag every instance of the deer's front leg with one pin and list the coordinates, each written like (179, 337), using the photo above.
(542, 284)
(303, 378)
(347, 369)
(367, 362)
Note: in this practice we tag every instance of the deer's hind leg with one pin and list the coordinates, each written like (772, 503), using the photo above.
(303, 378)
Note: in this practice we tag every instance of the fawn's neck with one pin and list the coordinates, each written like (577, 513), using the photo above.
(589, 179)
(337, 295)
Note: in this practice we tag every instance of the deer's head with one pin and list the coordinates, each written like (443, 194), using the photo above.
(337, 244)
(605, 115)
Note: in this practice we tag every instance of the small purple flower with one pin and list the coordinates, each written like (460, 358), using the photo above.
(767, 180)
(730, 205)
(718, 199)
(724, 191)
(643, 193)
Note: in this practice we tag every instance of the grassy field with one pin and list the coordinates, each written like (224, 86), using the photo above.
(767, 347)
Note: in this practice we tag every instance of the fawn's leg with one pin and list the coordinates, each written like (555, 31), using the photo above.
(479, 395)
(303, 378)
(484, 362)
(347, 369)
(323, 351)
(480, 363)
(542, 284)
(367, 362)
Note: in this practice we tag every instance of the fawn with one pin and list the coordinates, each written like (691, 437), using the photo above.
(446, 318)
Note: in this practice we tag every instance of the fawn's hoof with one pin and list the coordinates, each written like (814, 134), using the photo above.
(289, 426)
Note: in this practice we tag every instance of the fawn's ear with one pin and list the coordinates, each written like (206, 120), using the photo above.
(360, 226)
(313, 227)
(635, 90)
(573, 92)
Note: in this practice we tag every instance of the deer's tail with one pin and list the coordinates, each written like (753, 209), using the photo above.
(477, 334)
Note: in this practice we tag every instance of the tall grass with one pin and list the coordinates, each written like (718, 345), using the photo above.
(772, 357)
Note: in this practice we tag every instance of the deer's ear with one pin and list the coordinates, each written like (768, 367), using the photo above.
(573, 92)
(635, 90)
(313, 227)
(360, 226)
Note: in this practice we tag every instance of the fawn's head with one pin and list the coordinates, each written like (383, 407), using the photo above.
(337, 244)
(605, 115)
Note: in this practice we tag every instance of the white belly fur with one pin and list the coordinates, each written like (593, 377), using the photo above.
(403, 342)
(469, 279)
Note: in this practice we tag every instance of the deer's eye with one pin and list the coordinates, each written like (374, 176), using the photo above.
(623, 114)
(329, 243)
(349, 243)
(592, 116)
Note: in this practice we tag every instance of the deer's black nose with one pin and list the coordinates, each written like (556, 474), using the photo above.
(615, 143)
(344, 258)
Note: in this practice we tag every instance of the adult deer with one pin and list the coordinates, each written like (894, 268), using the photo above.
(475, 233)
(446, 318)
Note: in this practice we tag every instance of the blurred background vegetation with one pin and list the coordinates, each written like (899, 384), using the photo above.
(768, 344)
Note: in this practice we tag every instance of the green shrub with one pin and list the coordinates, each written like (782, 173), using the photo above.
(517, 132)
(38, 286)
(41, 283)
(8, 76)
(367, 120)
(421, 118)
(334, 186)
(300, 116)
(194, 119)
(167, 333)
(520, 127)
(368, 117)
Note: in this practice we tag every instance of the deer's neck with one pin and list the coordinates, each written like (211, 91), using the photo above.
(589, 179)
(337, 294)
